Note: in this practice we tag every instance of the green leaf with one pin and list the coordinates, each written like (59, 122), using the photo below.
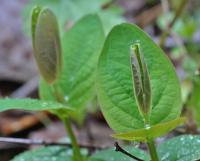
(81, 49)
(46, 44)
(31, 105)
(69, 11)
(141, 85)
(150, 132)
(112, 155)
(181, 148)
(115, 86)
(54, 153)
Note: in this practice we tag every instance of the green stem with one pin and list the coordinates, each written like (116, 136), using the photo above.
(57, 93)
(152, 150)
(76, 149)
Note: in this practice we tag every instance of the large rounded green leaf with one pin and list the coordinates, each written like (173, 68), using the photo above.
(181, 148)
(81, 49)
(112, 155)
(115, 85)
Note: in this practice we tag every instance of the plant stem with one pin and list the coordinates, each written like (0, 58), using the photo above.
(76, 150)
(152, 150)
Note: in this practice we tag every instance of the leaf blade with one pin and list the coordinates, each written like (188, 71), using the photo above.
(151, 132)
(30, 105)
(46, 153)
(181, 148)
(114, 82)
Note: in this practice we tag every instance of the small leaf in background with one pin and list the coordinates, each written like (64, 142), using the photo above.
(141, 86)
(53, 153)
(31, 105)
(81, 49)
(115, 85)
(112, 155)
(151, 132)
(46, 43)
(181, 148)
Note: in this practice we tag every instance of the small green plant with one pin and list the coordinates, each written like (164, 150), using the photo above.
(138, 90)
(67, 69)
(137, 86)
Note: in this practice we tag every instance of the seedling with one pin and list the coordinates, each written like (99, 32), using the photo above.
(67, 70)
(137, 87)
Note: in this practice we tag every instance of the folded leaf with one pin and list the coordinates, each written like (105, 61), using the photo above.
(46, 43)
(150, 132)
(141, 85)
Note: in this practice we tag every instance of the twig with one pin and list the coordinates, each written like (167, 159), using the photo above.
(171, 24)
(26, 89)
(22, 141)
(45, 143)
(118, 148)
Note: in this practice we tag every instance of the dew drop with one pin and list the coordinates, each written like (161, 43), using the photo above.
(44, 104)
(147, 127)
(66, 98)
